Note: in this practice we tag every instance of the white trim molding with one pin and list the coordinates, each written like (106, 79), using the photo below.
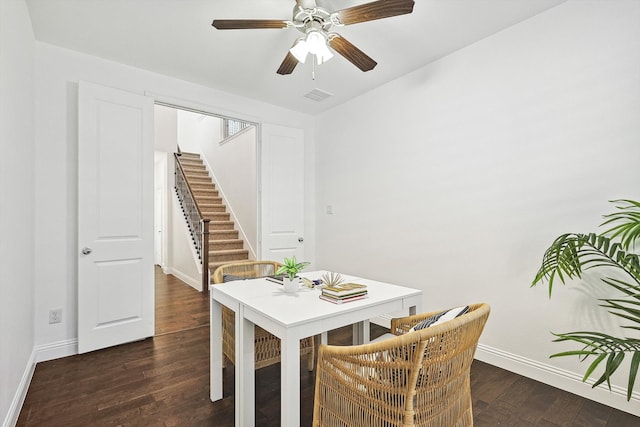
(21, 392)
(40, 353)
(56, 350)
(192, 281)
(559, 378)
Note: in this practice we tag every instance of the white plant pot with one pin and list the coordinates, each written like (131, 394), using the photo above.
(291, 286)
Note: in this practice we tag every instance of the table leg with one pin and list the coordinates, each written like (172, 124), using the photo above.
(324, 338)
(361, 332)
(215, 350)
(290, 382)
(245, 371)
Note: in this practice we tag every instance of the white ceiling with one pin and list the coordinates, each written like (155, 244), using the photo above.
(175, 38)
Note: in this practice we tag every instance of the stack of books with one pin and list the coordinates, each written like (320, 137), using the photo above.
(344, 292)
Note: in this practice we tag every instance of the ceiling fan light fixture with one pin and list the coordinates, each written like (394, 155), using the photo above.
(324, 57)
(317, 42)
(300, 50)
(314, 43)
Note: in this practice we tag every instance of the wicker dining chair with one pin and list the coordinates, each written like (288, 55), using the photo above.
(267, 349)
(419, 378)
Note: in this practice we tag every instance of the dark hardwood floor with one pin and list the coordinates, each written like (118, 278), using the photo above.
(178, 306)
(164, 381)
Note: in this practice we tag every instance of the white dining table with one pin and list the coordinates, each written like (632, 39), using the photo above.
(291, 317)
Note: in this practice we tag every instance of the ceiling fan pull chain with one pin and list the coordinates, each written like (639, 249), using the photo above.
(313, 70)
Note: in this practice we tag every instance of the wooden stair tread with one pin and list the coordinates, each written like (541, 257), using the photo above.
(229, 251)
(225, 246)
(213, 238)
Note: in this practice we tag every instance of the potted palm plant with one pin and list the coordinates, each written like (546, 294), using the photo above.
(609, 253)
(290, 268)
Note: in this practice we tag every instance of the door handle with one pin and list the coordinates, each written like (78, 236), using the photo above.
(86, 251)
(300, 239)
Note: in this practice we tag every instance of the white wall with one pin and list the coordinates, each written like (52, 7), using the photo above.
(455, 178)
(165, 128)
(57, 73)
(16, 211)
(189, 124)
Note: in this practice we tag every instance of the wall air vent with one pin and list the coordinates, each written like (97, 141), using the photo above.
(318, 95)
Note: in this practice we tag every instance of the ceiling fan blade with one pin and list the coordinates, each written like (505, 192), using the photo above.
(374, 10)
(351, 53)
(247, 24)
(288, 64)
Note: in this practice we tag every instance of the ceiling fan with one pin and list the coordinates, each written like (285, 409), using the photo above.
(316, 23)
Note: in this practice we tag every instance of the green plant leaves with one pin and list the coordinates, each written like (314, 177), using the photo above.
(605, 348)
(570, 255)
(291, 267)
(628, 222)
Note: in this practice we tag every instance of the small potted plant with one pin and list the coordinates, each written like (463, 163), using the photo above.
(290, 268)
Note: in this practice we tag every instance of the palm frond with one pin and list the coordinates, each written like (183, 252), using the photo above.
(569, 256)
(623, 309)
(630, 289)
(603, 347)
(627, 222)
(633, 373)
(613, 363)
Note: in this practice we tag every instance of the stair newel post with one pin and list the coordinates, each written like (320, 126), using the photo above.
(205, 255)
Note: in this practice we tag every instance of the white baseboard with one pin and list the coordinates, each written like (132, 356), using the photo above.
(40, 353)
(193, 282)
(164, 268)
(559, 378)
(21, 393)
(56, 350)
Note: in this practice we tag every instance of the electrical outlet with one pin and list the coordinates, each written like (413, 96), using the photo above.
(55, 315)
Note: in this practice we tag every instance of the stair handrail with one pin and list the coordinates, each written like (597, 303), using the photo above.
(197, 223)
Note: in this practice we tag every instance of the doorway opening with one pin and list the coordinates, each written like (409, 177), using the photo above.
(229, 150)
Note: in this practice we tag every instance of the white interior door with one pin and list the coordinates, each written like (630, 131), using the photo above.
(115, 217)
(282, 193)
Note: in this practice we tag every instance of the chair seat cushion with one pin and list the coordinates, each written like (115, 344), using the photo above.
(439, 318)
(384, 337)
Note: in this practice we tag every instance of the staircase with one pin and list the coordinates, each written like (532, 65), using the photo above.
(224, 244)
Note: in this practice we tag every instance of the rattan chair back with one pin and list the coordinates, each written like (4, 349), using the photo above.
(419, 378)
(267, 348)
